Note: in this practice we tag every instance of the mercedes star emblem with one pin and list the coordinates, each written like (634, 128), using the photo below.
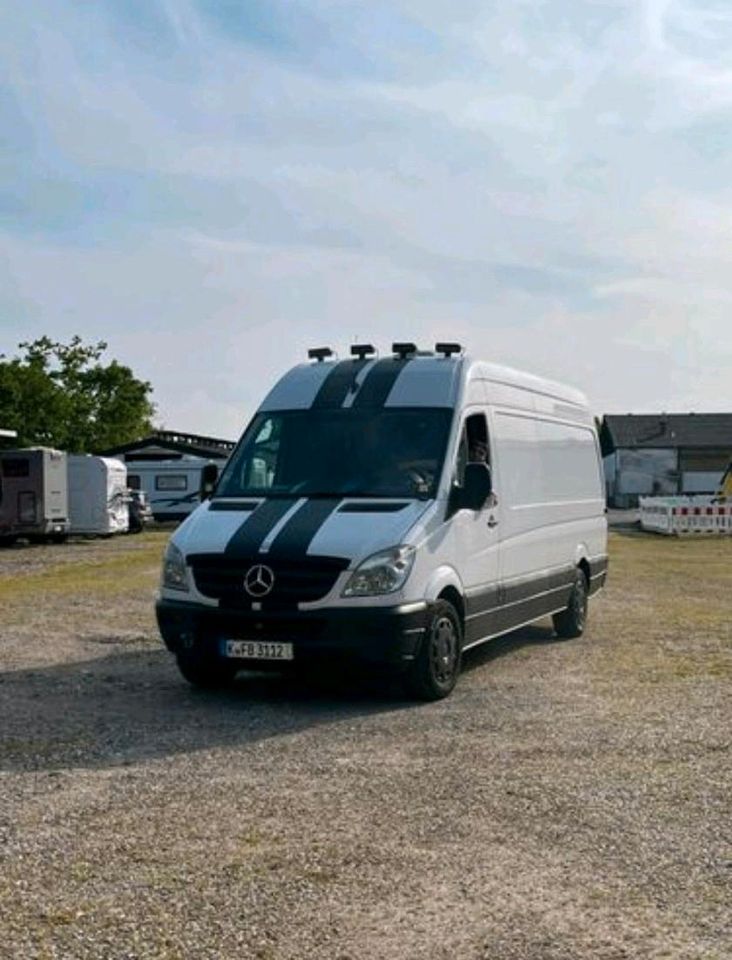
(258, 581)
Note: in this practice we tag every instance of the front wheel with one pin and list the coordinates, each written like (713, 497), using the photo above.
(435, 671)
(208, 673)
(571, 622)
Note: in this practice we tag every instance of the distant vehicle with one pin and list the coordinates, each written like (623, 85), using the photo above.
(97, 495)
(34, 501)
(140, 514)
(172, 487)
(398, 510)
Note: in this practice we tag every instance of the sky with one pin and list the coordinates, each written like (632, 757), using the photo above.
(213, 186)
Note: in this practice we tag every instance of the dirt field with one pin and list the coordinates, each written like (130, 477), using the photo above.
(570, 801)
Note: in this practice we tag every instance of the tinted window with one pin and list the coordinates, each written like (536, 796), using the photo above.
(340, 452)
(16, 467)
(171, 481)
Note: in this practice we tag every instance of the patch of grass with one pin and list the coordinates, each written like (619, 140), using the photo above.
(667, 611)
(110, 573)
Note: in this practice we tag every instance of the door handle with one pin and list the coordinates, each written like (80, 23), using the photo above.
(492, 522)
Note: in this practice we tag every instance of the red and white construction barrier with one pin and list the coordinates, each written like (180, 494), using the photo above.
(685, 515)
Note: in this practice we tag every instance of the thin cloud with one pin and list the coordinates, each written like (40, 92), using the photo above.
(546, 182)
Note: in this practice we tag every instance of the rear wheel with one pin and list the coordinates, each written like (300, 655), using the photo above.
(7, 541)
(571, 622)
(206, 672)
(435, 671)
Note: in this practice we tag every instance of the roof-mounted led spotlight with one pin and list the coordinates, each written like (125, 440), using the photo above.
(320, 353)
(404, 350)
(362, 350)
(447, 349)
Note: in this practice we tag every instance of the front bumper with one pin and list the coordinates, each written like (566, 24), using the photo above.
(386, 635)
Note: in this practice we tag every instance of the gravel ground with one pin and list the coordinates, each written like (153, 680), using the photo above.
(570, 800)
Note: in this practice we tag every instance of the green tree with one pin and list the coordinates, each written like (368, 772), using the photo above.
(63, 395)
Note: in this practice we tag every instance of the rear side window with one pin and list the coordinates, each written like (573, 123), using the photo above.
(16, 467)
(171, 481)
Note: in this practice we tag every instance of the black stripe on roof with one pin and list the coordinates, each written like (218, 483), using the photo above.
(379, 382)
(339, 383)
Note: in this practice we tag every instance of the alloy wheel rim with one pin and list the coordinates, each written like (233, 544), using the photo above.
(443, 650)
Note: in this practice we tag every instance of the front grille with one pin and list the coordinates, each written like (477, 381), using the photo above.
(295, 581)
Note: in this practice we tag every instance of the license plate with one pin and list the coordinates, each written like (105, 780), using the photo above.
(257, 650)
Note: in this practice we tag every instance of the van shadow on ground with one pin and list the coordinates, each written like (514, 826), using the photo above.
(133, 706)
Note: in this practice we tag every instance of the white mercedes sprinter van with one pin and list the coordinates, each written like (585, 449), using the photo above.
(400, 510)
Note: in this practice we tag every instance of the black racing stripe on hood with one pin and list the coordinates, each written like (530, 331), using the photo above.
(299, 532)
(379, 382)
(373, 507)
(236, 506)
(339, 383)
(254, 530)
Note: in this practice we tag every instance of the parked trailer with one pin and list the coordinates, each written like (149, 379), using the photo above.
(98, 499)
(34, 500)
(679, 516)
(173, 487)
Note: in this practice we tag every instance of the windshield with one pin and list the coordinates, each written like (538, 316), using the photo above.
(342, 452)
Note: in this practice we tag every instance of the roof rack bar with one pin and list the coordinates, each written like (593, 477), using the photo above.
(320, 353)
(403, 350)
(447, 349)
(362, 350)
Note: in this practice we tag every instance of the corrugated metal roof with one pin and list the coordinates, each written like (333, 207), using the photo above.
(666, 430)
(175, 442)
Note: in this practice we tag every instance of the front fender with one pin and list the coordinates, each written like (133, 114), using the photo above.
(441, 578)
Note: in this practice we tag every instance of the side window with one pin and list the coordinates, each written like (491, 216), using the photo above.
(473, 445)
(260, 469)
(133, 481)
(171, 481)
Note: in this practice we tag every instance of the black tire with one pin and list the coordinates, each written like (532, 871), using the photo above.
(7, 541)
(57, 538)
(434, 673)
(571, 622)
(208, 673)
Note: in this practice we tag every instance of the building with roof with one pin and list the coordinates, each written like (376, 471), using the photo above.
(172, 445)
(664, 454)
(170, 468)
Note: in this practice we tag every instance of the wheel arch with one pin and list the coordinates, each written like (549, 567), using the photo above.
(581, 561)
(445, 584)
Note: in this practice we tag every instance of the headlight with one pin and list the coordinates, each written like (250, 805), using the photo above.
(175, 572)
(382, 572)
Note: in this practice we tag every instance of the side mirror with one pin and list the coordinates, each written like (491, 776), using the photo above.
(477, 487)
(209, 477)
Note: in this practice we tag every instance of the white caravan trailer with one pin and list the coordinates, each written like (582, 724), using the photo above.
(399, 510)
(97, 495)
(173, 487)
(33, 495)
